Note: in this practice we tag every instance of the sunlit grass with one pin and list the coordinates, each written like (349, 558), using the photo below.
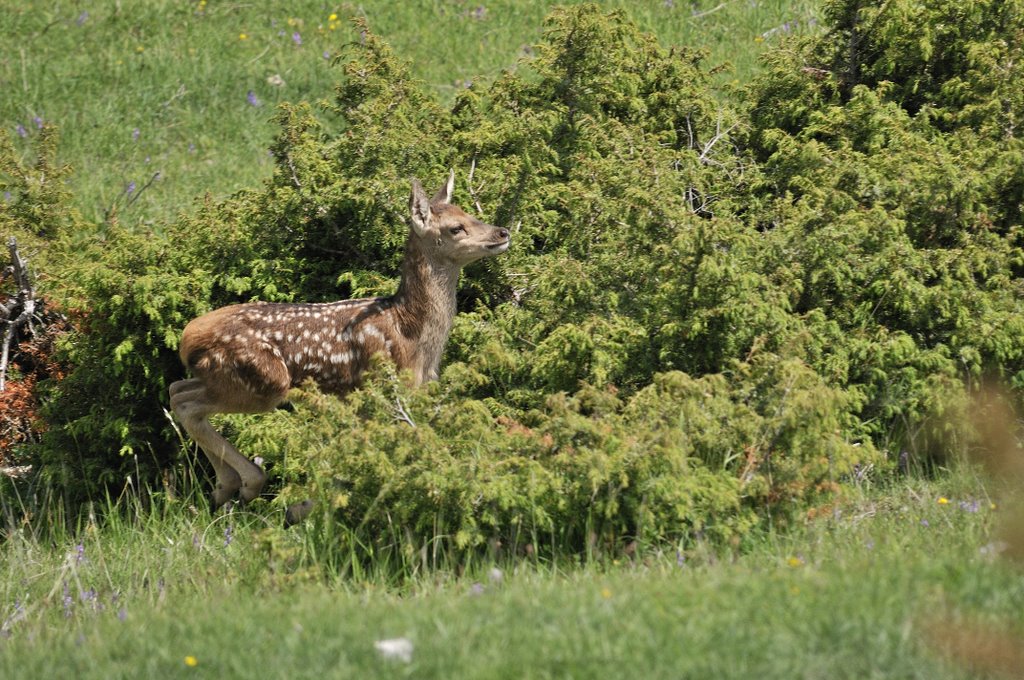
(861, 593)
(159, 102)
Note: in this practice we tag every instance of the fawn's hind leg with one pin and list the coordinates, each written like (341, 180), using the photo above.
(192, 405)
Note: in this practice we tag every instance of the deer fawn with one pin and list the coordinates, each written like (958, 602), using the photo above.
(246, 357)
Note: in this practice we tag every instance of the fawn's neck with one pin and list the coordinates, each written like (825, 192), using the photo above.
(425, 301)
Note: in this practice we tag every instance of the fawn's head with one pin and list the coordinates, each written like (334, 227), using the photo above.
(447, 233)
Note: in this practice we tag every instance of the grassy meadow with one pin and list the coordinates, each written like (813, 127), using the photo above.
(887, 587)
(159, 102)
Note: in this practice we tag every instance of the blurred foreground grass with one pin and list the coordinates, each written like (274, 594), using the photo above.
(886, 587)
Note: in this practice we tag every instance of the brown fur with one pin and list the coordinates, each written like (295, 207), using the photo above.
(245, 358)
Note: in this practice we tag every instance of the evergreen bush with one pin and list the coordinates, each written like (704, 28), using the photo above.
(715, 309)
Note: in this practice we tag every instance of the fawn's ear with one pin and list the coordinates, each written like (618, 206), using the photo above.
(419, 207)
(444, 194)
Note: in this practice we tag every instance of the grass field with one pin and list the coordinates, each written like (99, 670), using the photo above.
(884, 588)
(158, 102)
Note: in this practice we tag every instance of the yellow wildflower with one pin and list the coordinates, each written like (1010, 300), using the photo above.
(943, 500)
(794, 562)
(606, 593)
(191, 661)
(333, 17)
(243, 36)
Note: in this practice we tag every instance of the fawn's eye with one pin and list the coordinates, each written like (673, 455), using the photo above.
(455, 230)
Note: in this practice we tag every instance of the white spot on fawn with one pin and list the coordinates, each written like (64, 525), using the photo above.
(373, 331)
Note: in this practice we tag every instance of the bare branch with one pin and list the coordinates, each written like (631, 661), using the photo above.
(402, 415)
(155, 177)
(291, 166)
(469, 185)
(24, 300)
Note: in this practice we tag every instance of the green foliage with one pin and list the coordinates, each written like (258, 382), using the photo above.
(894, 205)
(711, 312)
(35, 204)
(427, 469)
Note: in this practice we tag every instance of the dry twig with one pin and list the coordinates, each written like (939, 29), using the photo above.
(18, 310)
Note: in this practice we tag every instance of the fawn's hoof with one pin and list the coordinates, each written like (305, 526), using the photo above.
(220, 496)
(251, 487)
(298, 512)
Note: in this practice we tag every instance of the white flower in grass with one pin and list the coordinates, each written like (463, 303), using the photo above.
(397, 648)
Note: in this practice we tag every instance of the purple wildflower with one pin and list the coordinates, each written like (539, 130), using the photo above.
(480, 12)
(252, 98)
(924, 523)
(122, 614)
(79, 553)
(296, 38)
(229, 533)
(476, 589)
(67, 602)
(130, 189)
(38, 120)
(7, 196)
(17, 615)
(191, 147)
(135, 135)
(82, 18)
(680, 559)
(20, 129)
(327, 55)
(969, 506)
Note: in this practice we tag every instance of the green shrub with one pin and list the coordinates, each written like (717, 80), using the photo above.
(712, 311)
(410, 470)
(892, 168)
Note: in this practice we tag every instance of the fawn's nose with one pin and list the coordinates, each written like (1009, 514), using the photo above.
(503, 233)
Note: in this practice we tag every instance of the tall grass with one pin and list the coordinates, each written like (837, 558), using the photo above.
(159, 102)
(872, 591)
